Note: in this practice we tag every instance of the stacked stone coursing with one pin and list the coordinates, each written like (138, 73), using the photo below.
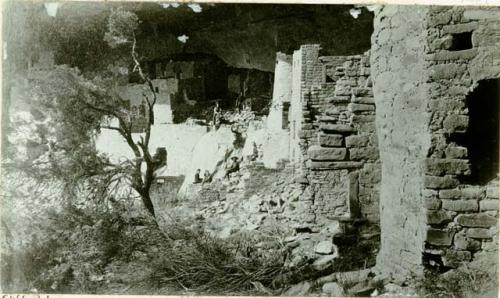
(461, 216)
(422, 73)
(337, 135)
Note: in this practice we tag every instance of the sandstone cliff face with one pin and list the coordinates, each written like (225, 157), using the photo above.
(242, 35)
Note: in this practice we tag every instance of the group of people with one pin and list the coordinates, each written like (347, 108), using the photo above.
(207, 178)
(232, 167)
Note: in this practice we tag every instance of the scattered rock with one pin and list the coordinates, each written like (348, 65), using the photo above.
(333, 289)
(323, 262)
(300, 289)
(363, 288)
(324, 247)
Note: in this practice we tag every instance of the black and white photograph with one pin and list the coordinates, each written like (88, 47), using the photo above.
(249, 149)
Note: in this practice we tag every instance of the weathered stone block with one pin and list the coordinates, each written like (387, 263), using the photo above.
(462, 242)
(438, 217)
(486, 205)
(368, 153)
(466, 193)
(459, 28)
(320, 153)
(357, 107)
(333, 165)
(479, 220)
(453, 258)
(492, 192)
(446, 71)
(441, 166)
(356, 141)
(364, 100)
(306, 134)
(435, 182)
(460, 205)
(324, 247)
(331, 140)
(432, 203)
(456, 123)
(478, 233)
(363, 118)
(452, 55)
(456, 152)
(439, 237)
(340, 128)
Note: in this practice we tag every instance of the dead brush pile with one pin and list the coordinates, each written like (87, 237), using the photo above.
(201, 263)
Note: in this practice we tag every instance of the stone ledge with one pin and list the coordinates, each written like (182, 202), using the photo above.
(333, 165)
(340, 128)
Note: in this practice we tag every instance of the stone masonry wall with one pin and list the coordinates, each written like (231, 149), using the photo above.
(337, 135)
(462, 214)
(426, 61)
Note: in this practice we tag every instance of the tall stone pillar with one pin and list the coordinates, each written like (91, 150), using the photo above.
(282, 92)
(398, 73)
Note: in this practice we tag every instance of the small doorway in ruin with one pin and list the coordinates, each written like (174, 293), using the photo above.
(482, 136)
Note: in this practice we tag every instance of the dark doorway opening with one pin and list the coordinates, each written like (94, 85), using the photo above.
(461, 41)
(481, 137)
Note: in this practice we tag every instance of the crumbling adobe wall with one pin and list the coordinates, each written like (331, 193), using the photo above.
(337, 135)
(422, 75)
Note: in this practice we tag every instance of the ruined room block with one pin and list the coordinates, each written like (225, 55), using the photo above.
(441, 166)
(320, 153)
(436, 182)
(467, 193)
(356, 141)
(487, 205)
(331, 140)
(339, 128)
(456, 123)
(439, 237)
(479, 233)
(368, 153)
(460, 205)
(438, 217)
(479, 220)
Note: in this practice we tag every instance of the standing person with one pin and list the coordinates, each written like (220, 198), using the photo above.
(216, 118)
(197, 178)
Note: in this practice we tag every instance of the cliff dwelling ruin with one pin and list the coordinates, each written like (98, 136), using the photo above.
(387, 146)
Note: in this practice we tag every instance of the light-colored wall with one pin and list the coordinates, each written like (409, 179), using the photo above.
(282, 91)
